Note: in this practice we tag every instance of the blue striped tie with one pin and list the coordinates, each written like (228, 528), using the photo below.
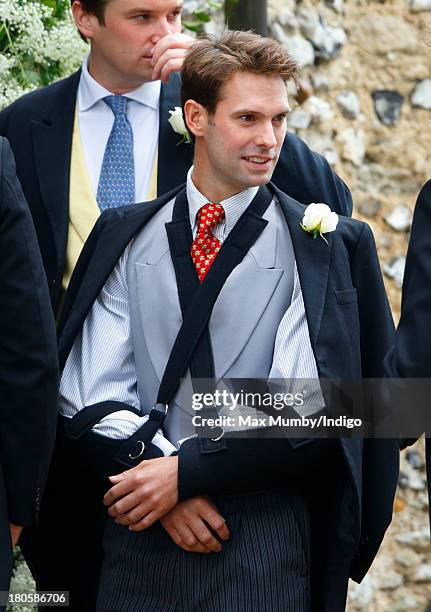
(117, 177)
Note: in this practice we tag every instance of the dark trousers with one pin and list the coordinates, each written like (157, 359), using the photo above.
(264, 567)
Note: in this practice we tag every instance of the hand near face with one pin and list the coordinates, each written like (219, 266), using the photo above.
(189, 525)
(141, 495)
(168, 55)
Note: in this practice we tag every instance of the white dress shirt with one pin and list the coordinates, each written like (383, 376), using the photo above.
(96, 120)
(101, 365)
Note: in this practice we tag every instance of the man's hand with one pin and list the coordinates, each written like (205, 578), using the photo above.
(141, 495)
(187, 524)
(15, 532)
(168, 55)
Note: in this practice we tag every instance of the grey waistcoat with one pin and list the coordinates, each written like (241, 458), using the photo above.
(244, 320)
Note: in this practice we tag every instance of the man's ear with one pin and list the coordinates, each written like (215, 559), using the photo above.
(196, 118)
(85, 22)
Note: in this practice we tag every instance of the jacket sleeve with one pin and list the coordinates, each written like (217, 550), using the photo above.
(380, 457)
(307, 177)
(4, 120)
(241, 465)
(28, 353)
(377, 329)
(409, 356)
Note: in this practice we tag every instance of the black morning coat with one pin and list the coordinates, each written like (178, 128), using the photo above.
(409, 358)
(351, 330)
(28, 365)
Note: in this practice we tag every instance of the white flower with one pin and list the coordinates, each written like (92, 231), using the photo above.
(177, 120)
(329, 223)
(178, 125)
(314, 213)
(319, 219)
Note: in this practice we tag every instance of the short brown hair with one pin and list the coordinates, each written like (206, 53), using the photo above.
(95, 7)
(212, 60)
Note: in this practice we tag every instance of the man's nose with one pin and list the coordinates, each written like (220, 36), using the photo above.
(162, 29)
(265, 136)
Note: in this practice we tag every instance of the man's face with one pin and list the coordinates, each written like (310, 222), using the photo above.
(243, 138)
(122, 46)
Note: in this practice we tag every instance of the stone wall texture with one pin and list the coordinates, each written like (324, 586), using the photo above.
(365, 103)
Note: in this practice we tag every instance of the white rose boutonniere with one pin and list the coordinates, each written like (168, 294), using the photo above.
(318, 220)
(178, 125)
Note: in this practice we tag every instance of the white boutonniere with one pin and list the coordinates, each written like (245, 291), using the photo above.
(178, 125)
(318, 220)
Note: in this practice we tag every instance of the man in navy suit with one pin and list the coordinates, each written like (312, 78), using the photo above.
(59, 133)
(28, 367)
(292, 304)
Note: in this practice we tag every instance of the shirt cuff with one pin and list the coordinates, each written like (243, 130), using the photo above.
(123, 424)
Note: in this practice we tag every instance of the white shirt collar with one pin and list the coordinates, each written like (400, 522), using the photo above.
(233, 206)
(90, 91)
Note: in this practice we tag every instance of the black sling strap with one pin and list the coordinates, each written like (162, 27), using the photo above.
(180, 239)
(233, 250)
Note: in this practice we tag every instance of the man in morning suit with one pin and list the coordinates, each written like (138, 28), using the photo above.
(291, 307)
(64, 136)
(70, 140)
(28, 367)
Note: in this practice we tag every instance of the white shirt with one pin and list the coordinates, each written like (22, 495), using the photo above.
(96, 120)
(101, 365)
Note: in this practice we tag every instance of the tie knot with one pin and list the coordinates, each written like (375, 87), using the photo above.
(209, 216)
(117, 104)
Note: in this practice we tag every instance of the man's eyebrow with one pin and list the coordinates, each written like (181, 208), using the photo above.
(249, 111)
(147, 11)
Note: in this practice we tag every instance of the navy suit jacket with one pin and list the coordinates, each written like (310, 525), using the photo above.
(350, 335)
(410, 355)
(39, 127)
(28, 364)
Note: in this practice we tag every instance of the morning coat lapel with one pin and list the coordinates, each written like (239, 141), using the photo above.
(52, 143)
(174, 159)
(97, 261)
(313, 260)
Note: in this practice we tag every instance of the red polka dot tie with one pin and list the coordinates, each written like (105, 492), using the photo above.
(206, 246)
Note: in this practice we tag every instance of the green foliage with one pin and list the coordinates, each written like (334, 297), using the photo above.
(202, 16)
(59, 8)
(38, 44)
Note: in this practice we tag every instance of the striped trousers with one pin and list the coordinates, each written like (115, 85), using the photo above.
(264, 567)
